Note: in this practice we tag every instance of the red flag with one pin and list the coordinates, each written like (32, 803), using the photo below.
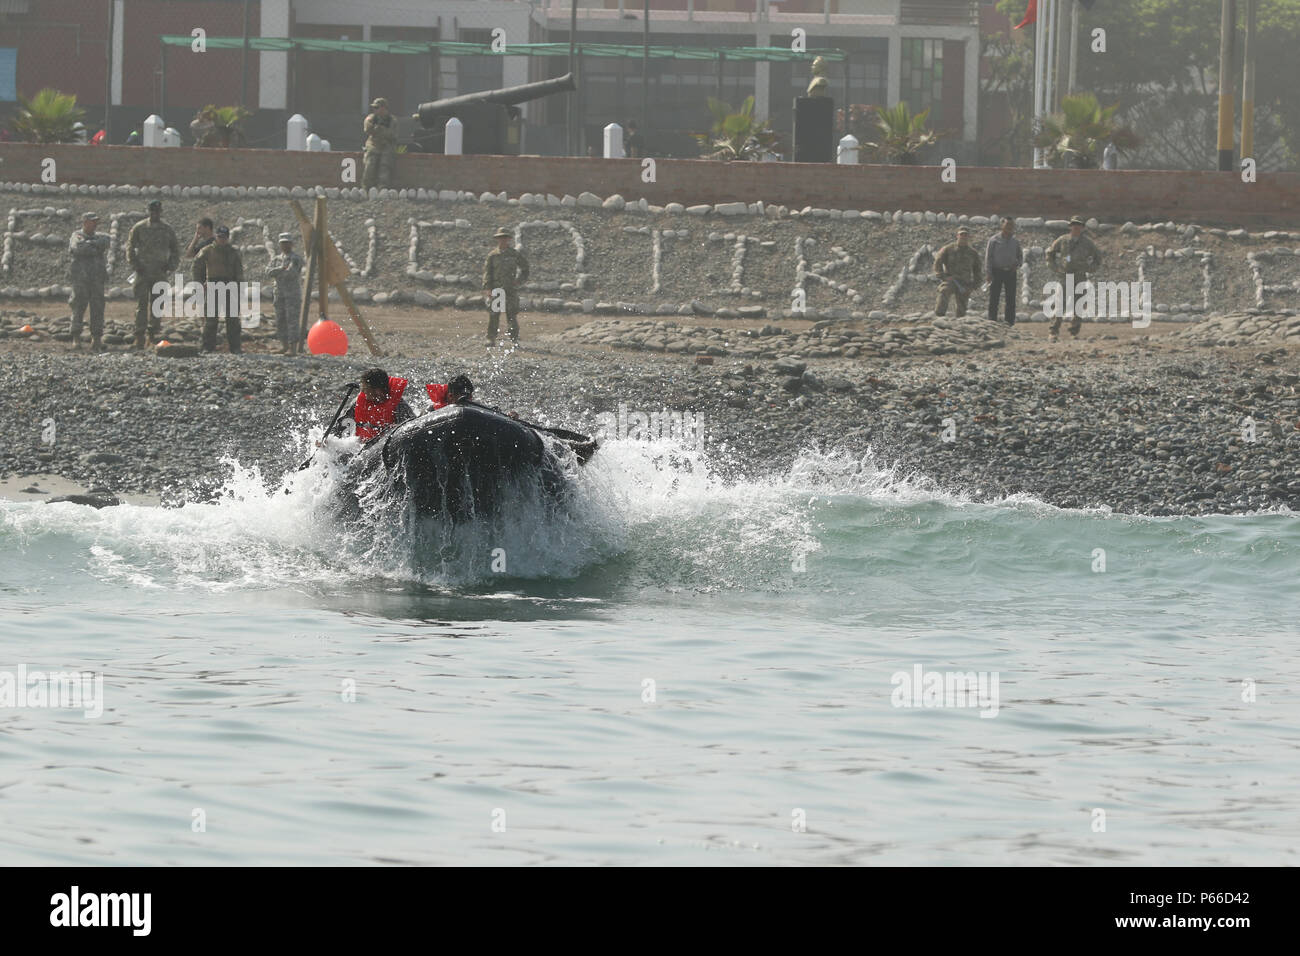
(1031, 15)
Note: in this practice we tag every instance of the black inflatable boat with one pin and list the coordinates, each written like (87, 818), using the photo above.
(462, 462)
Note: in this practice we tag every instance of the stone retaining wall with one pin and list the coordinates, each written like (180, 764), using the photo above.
(608, 256)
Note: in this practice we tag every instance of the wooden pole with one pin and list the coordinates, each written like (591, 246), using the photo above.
(366, 334)
(304, 321)
(326, 269)
(318, 246)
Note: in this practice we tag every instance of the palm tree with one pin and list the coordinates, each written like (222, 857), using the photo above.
(1076, 136)
(220, 126)
(737, 135)
(901, 135)
(48, 117)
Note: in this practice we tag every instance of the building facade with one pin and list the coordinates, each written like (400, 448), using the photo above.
(108, 52)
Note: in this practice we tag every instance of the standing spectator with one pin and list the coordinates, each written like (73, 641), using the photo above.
(220, 262)
(1073, 254)
(89, 251)
(203, 236)
(958, 267)
(504, 271)
(286, 270)
(635, 141)
(381, 146)
(1002, 257)
(154, 253)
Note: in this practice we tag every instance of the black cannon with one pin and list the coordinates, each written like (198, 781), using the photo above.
(491, 118)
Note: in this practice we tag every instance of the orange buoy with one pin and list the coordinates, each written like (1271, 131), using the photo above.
(27, 328)
(327, 338)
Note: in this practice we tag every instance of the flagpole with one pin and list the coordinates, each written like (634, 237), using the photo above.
(1074, 46)
(1049, 66)
(1039, 57)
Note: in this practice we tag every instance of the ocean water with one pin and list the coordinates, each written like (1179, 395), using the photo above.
(673, 669)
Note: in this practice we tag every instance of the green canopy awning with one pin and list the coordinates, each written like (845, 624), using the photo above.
(454, 48)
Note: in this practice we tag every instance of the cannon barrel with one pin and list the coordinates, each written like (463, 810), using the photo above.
(429, 113)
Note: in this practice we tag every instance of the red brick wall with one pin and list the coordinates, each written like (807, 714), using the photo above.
(193, 79)
(62, 44)
(1209, 198)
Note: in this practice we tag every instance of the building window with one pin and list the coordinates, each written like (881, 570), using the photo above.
(922, 77)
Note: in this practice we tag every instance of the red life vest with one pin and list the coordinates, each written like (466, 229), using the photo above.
(438, 395)
(373, 417)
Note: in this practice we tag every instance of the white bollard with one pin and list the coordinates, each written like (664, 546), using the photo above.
(847, 154)
(152, 132)
(314, 143)
(171, 137)
(614, 142)
(295, 132)
(453, 141)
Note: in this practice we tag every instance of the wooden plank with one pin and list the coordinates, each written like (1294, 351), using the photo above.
(320, 237)
(305, 316)
(361, 323)
(333, 275)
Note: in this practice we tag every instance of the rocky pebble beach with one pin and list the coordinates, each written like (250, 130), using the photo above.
(1148, 425)
(825, 339)
(781, 330)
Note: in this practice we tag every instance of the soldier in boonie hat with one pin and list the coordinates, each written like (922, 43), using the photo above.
(377, 102)
(1075, 258)
(504, 271)
(88, 251)
(286, 270)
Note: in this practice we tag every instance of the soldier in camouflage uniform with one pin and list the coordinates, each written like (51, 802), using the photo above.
(959, 270)
(1073, 254)
(381, 146)
(286, 270)
(506, 270)
(154, 254)
(220, 262)
(88, 250)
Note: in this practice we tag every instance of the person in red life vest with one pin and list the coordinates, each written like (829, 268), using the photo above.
(458, 391)
(379, 405)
